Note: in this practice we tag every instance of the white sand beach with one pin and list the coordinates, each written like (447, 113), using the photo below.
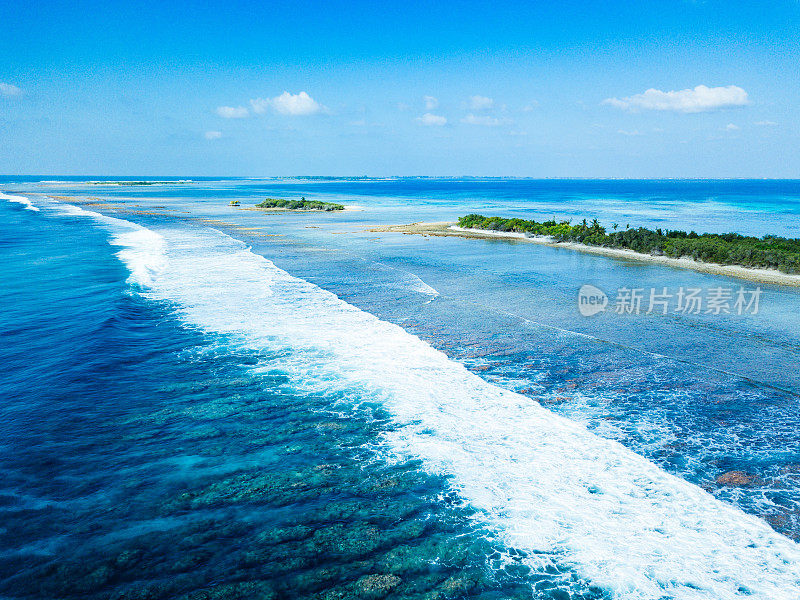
(769, 276)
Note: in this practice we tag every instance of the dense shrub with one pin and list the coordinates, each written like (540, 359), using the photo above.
(769, 252)
(301, 204)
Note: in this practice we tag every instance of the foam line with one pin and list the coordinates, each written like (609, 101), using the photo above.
(545, 483)
(142, 250)
(19, 200)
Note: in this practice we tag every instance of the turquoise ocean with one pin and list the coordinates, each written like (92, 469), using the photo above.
(203, 402)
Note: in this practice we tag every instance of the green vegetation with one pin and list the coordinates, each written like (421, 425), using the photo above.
(769, 252)
(301, 204)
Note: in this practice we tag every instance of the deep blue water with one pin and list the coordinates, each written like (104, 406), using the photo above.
(181, 417)
(142, 459)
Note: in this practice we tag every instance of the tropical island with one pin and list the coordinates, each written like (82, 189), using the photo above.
(302, 204)
(768, 252)
(769, 259)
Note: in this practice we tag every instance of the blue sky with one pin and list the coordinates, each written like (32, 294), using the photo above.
(540, 89)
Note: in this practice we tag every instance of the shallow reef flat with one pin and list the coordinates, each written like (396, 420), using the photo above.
(450, 229)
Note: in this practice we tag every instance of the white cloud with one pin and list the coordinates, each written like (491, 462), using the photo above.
(700, 99)
(6, 89)
(629, 133)
(432, 120)
(287, 104)
(232, 112)
(530, 106)
(260, 105)
(766, 123)
(430, 102)
(731, 127)
(213, 135)
(480, 103)
(486, 121)
(296, 104)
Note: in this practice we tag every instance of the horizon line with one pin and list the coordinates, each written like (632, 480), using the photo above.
(175, 177)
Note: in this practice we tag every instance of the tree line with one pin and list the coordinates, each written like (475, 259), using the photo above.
(769, 252)
(301, 204)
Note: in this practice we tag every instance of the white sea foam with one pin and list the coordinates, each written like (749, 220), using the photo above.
(142, 250)
(19, 200)
(545, 483)
(415, 284)
(419, 286)
(411, 281)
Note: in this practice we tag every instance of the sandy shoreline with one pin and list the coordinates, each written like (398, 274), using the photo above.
(110, 204)
(450, 229)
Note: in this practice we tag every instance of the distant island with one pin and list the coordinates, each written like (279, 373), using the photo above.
(301, 204)
(153, 182)
(768, 252)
